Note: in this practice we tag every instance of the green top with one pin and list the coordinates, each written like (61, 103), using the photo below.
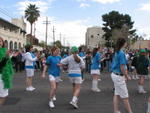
(7, 70)
(142, 65)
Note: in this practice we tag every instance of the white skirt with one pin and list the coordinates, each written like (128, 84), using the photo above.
(95, 72)
(29, 72)
(53, 78)
(3, 92)
(76, 80)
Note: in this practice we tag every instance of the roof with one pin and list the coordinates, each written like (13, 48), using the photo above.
(1, 19)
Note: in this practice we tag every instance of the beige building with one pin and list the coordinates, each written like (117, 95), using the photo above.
(141, 44)
(94, 37)
(13, 33)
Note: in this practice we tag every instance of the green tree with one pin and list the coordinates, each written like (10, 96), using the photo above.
(58, 44)
(42, 44)
(31, 14)
(116, 25)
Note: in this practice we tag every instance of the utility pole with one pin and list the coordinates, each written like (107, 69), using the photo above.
(64, 40)
(53, 35)
(60, 38)
(47, 23)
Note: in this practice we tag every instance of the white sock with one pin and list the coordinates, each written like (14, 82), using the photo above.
(148, 110)
(94, 84)
(51, 100)
(74, 99)
(140, 87)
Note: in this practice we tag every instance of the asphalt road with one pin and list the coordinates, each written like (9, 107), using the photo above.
(21, 101)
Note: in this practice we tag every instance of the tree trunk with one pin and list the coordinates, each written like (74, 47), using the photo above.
(31, 28)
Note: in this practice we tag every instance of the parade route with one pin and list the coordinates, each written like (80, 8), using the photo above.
(21, 101)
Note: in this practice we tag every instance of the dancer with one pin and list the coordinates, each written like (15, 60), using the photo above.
(29, 66)
(148, 109)
(95, 69)
(6, 72)
(142, 69)
(53, 64)
(119, 76)
(75, 65)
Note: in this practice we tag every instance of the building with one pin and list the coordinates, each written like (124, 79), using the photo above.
(32, 40)
(13, 33)
(94, 37)
(141, 44)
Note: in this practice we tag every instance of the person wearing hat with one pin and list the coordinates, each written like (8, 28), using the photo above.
(75, 65)
(142, 69)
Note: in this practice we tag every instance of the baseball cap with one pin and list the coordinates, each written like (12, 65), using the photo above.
(74, 49)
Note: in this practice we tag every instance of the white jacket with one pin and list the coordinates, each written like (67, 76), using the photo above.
(73, 66)
(29, 60)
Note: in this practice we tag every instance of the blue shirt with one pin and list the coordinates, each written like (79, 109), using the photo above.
(33, 56)
(53, 68)
(118, 60)
(65, 55)
(82, 54)
(96, 61)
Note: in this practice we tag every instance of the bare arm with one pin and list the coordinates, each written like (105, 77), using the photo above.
(124, 71)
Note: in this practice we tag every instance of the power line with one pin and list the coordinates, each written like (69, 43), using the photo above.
(60, 38)
(5, 12)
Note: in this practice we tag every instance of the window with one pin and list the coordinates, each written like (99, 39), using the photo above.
(11, 45)
(6, 44)
(15, 45)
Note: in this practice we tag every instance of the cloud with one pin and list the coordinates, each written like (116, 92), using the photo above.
(105, 1)
(145, 7)
(43, 5)
(73, 32)
(83, 5)
(143, 30)
(100, 1)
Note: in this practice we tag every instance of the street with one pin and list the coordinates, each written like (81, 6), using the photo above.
(21, 101)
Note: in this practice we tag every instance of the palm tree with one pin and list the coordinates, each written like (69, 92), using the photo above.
(31, 14)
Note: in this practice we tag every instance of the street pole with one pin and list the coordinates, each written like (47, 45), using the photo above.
(64, 40)
(53, 35)
(47, 23)
(60, 38)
